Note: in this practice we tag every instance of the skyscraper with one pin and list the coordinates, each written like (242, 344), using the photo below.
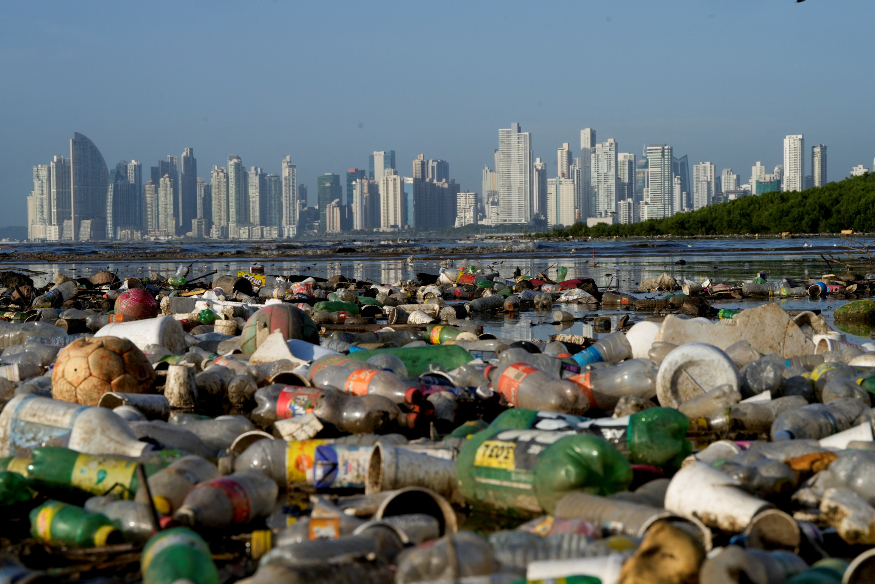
(135, 176)
(271, 214)
(187, 209)
(818, 165)
(38, 212)
(560, 201)
(410, 201)
(90, 179)
(220, 197)
(204, 206)
(757, 174)
(626, 183)
(123, 202)
(681, 167)
(166, 218)
(539, 187)
(328, 189)
(659, 182)
(238, 189)
(604, 178)
(563, 161)
(420, 167)
(392, 201)
(728, 181)
(379, 162)
(150, 197)
(794, 163)
(352, 175)
(439, 170)
(514, 175)
(290, 197)
(257, 191)
(586, 204)
(703, 184)
(59, 207)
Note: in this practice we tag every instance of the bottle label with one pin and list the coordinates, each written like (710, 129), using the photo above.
(341, 466)
(170, 540)
(240, 503)
(495, 454)
(100, 474)
(324, 528)
(299, 460)
(296, 401)
(510, 380)
(338, 360)
(116, 318)
(585, 386)
(10, 372)
(357, 383)
(613, 430)
(42, 527)
(435, 335)
(41, 422)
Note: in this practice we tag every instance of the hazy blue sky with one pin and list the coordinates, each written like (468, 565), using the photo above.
(330, 82)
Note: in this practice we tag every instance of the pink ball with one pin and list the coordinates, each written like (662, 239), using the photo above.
(136, 304)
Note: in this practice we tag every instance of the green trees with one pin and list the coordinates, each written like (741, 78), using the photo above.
(848, 204)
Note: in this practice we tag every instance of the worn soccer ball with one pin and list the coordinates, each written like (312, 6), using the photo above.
(89, 367)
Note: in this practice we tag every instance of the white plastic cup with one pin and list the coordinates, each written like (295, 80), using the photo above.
(164, 330)
(641, 337)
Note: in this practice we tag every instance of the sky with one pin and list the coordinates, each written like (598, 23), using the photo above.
(330, 82)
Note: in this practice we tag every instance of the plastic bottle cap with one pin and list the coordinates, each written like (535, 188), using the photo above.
(186, 516)
(487, 370)
(162, 505)
(107, 534)
(412, 395)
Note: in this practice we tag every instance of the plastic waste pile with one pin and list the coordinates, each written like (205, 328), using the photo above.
(292, 429)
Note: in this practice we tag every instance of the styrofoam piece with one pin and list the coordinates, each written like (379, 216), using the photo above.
(164, 330)
(641, 337)
(841, 440)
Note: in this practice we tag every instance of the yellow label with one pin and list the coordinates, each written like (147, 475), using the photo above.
(99, 474)
(299, 460)
(495, 454)
(821, 369)
(436, 335)
(19, 465)
(166, 541)
(259, 279)
(42, 527)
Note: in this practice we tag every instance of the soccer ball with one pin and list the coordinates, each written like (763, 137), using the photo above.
(89, 367)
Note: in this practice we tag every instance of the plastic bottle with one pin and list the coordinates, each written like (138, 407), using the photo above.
(469, 375)
(438, 334)
(471, 556)
(13, 333)
(486, 303)
(320, 317)
(170, 485)
(280, 402)
(14, 489)
(420, 359)
(742, 353)
(56, 296)
(558, 368)
(176, 281)
(232, 500)
(656, 436)
(531, 470)
(817, 421)
(337, 306)
(218, 433)
(60, 525)
(511, 304)
(368, 382)
(344, 361)
(133, 519)
(525, 386)
(762, 376)
(727, 313)
(517, 549)
(178, 556)
(28, 421)
(604, 387)
(97, 474)
(610, 349)
(207, 316)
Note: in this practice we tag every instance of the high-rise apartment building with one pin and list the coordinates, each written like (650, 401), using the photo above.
(539, 187)
(238, 205)
(60, 205)
(420, 167)
(328, 189)
(150, 197)
(290, 198)
(89, 182)
(681, 167)
(166, 217)
(257, 193)
(392, 201)
(135, 175)
(123, 203)
(489, 185)
(365, 204)
(728, 181)
(659, 182)
(352, 175)
(560, 201)
(219, 183)
(586, 204)
(818, 165)
(379, 162)
(604, 178)
(439, 170)
(187, 209)
(303, 197)
(466, 208)
(514, 175)
(204, 206)
(38, 212)
(271, 214)
(626, 183)
(757, 174)
(794, 163)
(410, 200)
(704, 186)
(563, 161)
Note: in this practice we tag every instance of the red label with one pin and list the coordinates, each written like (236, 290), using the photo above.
(510, 380)
(467, 278)
(116, 318)
(582, 381)
(237, 495)
(296, 401)
(357, 383)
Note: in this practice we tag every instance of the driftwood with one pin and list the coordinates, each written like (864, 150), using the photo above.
(858, 256)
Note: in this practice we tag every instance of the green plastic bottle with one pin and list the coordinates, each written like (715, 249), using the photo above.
(14, 489)
(439, 334)
(417, 359)
(60, 525)
(656, 437)
(15, 464)
(484, 283)
(368, 301)
(336, 306)
(177, 555)
(207, 316)
(96, 474)
(176, 281)
(468, 429)
(561, 273)
(826, 571)
(727, 313)
(530, 470)
(867, 383)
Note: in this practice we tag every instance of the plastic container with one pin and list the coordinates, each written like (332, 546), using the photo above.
(470, 556)
(368, 382)
(60, 525)
(177, 556)
(133, 519)
(56, 296)
(610, 349)
(164, 330)
(525, 386)
(641, 337)
(419, 360)
(605, 386)
(233, 500)
(817, 421)
(558, 368)
(170, 485)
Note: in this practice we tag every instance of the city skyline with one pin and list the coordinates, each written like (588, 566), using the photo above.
(307, 109)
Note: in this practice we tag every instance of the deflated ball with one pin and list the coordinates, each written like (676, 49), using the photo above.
(89, 367)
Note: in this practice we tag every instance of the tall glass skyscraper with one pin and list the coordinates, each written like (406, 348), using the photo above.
(329, 189)
(514, 175)
(187, 190)
(379, 162)
(352, 175)
(89, 183)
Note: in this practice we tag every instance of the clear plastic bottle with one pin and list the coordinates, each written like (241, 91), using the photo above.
(235, 499)
(471, 555)
(605, 386)
(543, 301)
(322, 317)
(706, 405)
(556, 349)
(809, 362)
(525, 386)
(486, 303)
(45, 353)
(170, 485)
(132, 518)
(218, 433)
(761, 376)
(56, 296)
(659, 351)
(469, 375)
(334, 360)
(517, 549)
(371, 539)
(818, 421)
(13, 333)
(556, 367)
(368, 382)
(390, 362)
(612, 348)
(742, 353)
(754, 416)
